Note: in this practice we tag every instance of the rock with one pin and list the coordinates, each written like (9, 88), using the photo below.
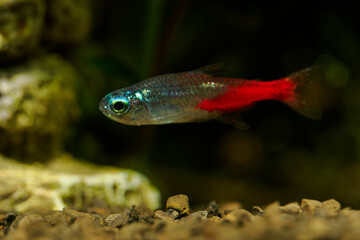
(173, 213)
(25, 22)
(212, 209)
(228, 207)
(273, 215)
(30, 220)
(110, 219)
(119, 220)
(37, 102)
(161, 215)
(21, 22)
(196, 216)
(86, 217)
(257, 211)
(240, 216)
(5, 222)
(212, 220)
(60, 218)
(129, 215)
(73, 28)
(310, 206)
(66, 182)
(290, 208)
(331, 207)
(179, 203)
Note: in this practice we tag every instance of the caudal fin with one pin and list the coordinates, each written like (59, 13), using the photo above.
(305, 98)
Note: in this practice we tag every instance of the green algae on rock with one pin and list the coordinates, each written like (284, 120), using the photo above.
(68, 183)
(21, 23)
(37, 100)
(67, 21)
(24, 23)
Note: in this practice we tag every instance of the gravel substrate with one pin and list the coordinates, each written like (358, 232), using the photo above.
(310, 219)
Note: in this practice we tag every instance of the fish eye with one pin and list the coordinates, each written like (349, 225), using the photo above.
(120, 106)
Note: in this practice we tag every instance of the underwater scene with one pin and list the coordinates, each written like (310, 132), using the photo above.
(158, 119)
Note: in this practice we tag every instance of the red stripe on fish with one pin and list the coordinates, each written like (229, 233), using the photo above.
(250, 92)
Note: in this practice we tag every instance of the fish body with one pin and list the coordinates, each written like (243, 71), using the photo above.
(200, 95)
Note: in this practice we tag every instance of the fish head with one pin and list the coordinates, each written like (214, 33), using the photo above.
(124, 106)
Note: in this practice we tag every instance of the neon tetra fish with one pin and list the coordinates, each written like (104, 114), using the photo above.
(201, 95)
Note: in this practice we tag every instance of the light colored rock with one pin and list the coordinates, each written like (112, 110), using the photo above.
(21, 22)
(68, 183)
(291, 208)
(37, 102)
(257, 211)
(310, 206)
(161, 215)
(73, 28)
(196, 216)
(240, 216)
(331, 207)
(229, 206)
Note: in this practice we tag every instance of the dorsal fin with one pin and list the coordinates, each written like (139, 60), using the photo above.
(221, 69)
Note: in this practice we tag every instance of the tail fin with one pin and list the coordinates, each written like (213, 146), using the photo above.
(305, 98)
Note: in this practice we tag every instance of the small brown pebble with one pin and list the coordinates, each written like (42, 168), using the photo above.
(196, 216)
(257, 211)
(109, 219)
(291, 208)
(214, 219)
(179, 203)
(161, 215)
(240, 216)
(310, 206)
(229, 206)
(5, 222)
(98, 210)
(119, 220)
(172, 213)
(212, 209)
(331, 207)
(30, 220)
(86, 217)
(127, 216)
(60, 218)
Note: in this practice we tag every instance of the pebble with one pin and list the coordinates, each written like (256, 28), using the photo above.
(310, 206)
(60, 218)
(331, 207)
(30, 220)
(111, 218)
(119, 220)
(132, 214)
(212, 209)
(257, 211)
(161, 215)
(228, 207)
(240, 216)
(85, 217)
(196, 216)
(173, 213)
(212, 220)
(290, 208)
(179, 203)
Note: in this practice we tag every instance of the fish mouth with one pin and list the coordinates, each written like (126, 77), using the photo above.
(104, 108)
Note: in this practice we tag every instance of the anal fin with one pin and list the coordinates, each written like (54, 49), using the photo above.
(234, 120)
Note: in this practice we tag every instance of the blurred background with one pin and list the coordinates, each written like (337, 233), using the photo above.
(284, 156)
